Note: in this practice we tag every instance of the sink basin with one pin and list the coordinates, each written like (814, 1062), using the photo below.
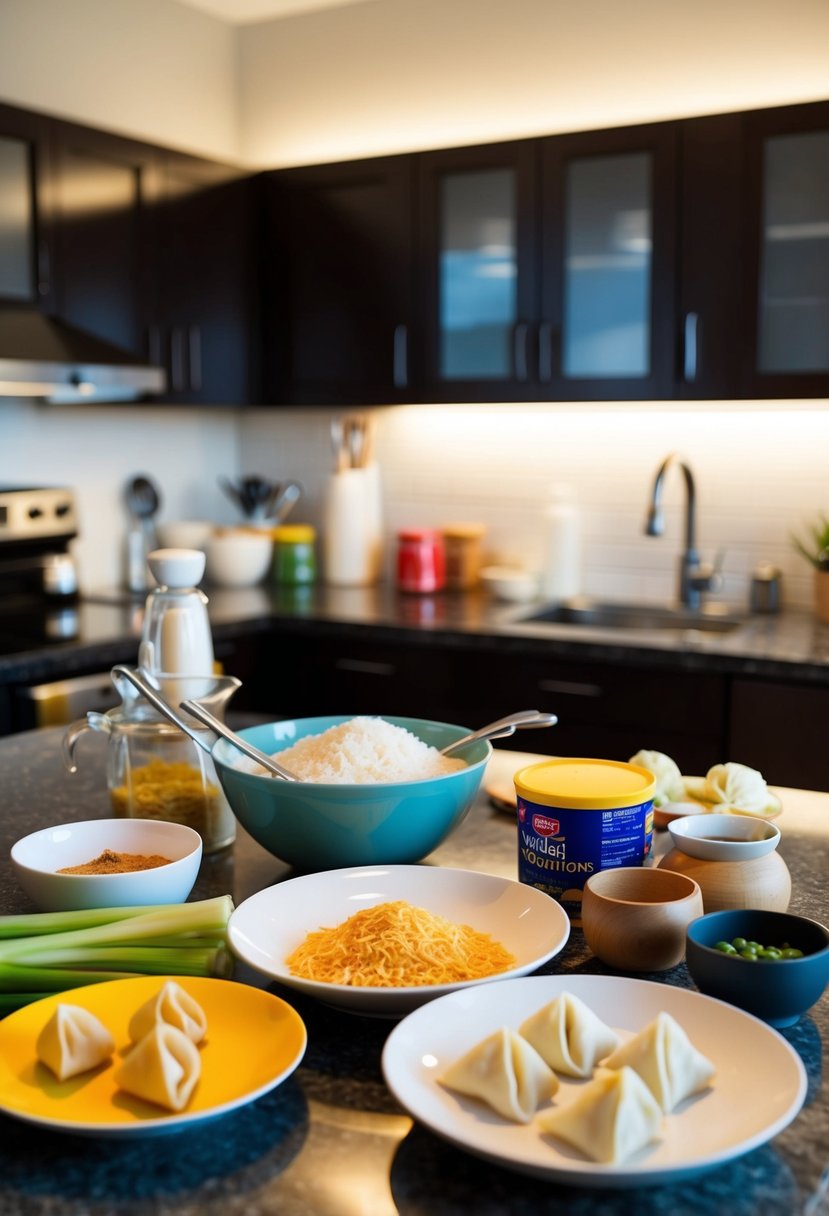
(713, 618)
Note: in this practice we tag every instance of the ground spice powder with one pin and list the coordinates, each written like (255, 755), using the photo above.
(110, 862)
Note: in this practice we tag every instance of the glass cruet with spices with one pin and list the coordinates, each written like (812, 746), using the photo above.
(154, 770)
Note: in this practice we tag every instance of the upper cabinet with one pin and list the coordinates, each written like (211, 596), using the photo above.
(99, 195)
(25, 251)
(201, 325)
(684, 259)
(548, 267)
(753, 275)
(338, 305)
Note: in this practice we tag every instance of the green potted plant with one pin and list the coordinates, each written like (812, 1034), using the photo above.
(815, 548)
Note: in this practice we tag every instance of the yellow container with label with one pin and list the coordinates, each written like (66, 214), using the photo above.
(577, 816)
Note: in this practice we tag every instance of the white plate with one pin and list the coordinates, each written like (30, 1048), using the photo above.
(747, 1104)
(92, 1105)
(266, 928)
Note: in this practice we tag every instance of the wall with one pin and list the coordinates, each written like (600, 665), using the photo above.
(385, 75)
(399, 75)
(152, 69)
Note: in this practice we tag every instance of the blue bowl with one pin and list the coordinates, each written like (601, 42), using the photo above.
(779, 991)
(323, 827)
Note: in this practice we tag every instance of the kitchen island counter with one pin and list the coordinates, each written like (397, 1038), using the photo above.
(331, 1140)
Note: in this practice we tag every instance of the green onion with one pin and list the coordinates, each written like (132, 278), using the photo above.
(52, 951)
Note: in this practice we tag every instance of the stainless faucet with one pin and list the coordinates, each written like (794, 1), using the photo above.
(694, 575)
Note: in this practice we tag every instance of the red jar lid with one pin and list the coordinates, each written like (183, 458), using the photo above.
(418, 534)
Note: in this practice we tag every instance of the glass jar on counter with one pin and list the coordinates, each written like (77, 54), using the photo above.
(462, 543)
(154, 770)
(421, 563)
(294, 555)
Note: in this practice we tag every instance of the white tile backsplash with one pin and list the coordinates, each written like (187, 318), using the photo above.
(759, 467)
(760, 471)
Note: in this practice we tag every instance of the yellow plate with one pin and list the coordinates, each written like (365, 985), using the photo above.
(254, 1041)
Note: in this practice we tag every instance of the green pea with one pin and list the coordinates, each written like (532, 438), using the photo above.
(739, 943)
(725, 948)
(791, 952)
(751, 955)
(755, 946)
(768, 952)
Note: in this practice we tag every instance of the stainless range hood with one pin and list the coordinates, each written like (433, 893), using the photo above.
(47, 359)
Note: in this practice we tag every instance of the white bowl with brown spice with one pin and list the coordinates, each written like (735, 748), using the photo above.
(107, 863)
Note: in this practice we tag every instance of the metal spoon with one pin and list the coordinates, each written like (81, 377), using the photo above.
(143, 499)
(196, 710)
(526, 719)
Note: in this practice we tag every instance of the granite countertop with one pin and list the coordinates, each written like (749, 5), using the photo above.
(331, 1140)
(104, 628)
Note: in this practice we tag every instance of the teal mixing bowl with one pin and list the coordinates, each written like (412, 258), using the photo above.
(322, 827)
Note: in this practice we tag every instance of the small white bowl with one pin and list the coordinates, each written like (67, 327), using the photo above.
(510, 583)
(37, 858)
(238, 558)
(724, 837)
(184, 533)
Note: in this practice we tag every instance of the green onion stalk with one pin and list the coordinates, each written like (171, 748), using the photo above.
(48, 952)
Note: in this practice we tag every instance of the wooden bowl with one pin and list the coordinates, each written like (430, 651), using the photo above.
(762, 882)
(635, 918)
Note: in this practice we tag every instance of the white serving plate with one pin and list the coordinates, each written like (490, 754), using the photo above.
(745, 1106)
(268, 926)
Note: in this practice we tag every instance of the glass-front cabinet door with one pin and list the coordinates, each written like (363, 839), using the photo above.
(606, 327)
(479, 274)
(787, 347)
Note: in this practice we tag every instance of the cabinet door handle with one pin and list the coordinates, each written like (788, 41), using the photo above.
(521, 368)
(570, 688)
(177, 361)
(365, 667)
(545, 352)
(400, 356)
(194, 351)
(690, 347)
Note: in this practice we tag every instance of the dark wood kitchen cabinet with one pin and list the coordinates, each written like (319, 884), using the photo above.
(549, 267)
(152, 253)
(338, 305)
(100, 189)
(203, 323)
(25, 235)
(779, 727)
(753, 275)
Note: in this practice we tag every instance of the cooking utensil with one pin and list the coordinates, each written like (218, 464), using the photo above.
(143, 500)
(196, 710)
(527, 719)
(260, 499)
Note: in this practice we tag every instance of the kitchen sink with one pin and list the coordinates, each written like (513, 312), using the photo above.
(712, 618)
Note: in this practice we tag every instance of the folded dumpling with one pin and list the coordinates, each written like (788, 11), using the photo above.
(505, 1071)
(569, 1036)
(173, 1005)
(613, 1117)
(163, 1067)
(737, 785)
(73, 1041)
(670, 786)
(666, 1060)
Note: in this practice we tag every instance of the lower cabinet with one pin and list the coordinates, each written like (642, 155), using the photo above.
(781, 729)
(604, 709)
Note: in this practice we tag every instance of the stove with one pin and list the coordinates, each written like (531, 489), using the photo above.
(38, 580)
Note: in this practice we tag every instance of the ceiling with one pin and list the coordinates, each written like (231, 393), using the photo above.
(243, 12)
